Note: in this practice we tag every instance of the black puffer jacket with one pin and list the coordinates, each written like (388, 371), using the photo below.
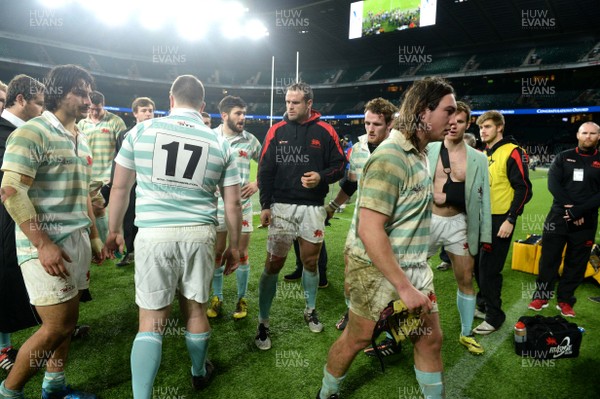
(290, 150)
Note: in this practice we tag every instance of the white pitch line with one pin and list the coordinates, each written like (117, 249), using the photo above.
(341, 218)
(463, 372)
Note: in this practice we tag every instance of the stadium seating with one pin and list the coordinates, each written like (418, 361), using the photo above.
(321, 76)
(488, 101)
(560, 54)
(357, 74)
(19, 50)
(502, 59)
(390, 71)
(441, 64)
(481, 94)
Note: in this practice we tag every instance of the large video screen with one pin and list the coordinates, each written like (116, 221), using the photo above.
(375, 17)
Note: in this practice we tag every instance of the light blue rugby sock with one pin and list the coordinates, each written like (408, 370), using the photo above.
(146, 354)
(310, 282)
(217, 283)
(241, 275)
(197, 345)
(466, 310)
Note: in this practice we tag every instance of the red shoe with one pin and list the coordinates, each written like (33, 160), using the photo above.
(538, 304)
(565, 309)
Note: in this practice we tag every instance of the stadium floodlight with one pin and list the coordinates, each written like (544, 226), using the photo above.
(255, 29)
(191, 27)
(190, 31)
(152, 18)
(207, 11)
(234, 9)
(232, 30)
(106, 12)
(192, 19)
(54, 3)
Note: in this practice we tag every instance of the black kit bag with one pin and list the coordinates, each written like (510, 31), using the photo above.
(548, 338)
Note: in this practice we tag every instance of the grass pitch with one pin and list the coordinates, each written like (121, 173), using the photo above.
(293, 367)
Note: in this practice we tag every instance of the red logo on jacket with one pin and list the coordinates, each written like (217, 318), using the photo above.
(315, 143)
(595, 164)
(551, 341)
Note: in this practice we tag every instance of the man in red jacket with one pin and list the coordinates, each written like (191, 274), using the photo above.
(301, 156)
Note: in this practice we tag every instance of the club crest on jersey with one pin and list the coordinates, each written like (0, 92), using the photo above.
(315, 143)
(105, 130)
(243, 154)
(595, 164)
(185, 124)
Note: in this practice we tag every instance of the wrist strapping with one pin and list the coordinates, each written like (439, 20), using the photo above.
(18, 204)
(97, 244)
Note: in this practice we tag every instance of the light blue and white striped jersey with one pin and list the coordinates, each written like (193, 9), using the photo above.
(358, 158)
(179, 163)
(60, 165)
(245, 147)
(102, 138)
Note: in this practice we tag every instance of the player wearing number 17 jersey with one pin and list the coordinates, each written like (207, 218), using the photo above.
(178, 163)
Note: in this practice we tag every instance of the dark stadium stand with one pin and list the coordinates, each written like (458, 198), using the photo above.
(560, 54)
(487, 76)
(19, 50)
(441, 64)
(485, 101)
(501, 59)
(320, 76)
(391, 71)
(348, 107)
(123, 66)
(358, 74)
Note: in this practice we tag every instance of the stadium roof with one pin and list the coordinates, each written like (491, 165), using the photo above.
(319, 29)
